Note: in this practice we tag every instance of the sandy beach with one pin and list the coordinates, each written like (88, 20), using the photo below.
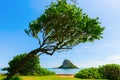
(65, 75)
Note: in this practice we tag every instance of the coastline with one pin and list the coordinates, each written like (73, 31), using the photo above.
(64, 71)
(65, 75)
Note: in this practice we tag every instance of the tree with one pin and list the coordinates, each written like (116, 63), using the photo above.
(89, 73)
(32, 67)
(110, 71)
(61, 27)
(29, 68)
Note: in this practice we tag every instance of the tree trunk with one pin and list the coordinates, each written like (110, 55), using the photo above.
(22, 63)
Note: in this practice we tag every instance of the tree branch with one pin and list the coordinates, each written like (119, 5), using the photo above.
(39, 42)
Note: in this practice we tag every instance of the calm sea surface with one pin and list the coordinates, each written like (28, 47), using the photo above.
(58, 71)
(64, 71)
(1, 71)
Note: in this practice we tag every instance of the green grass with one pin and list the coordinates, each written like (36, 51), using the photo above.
(43, 78)
(48, 78)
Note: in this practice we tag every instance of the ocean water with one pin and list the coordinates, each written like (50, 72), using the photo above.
(1, 71)
(57, 71)
(64, 71)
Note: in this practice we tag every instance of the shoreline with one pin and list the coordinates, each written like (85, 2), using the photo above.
(65, 75)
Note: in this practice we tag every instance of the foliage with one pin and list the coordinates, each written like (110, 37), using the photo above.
(88, 73)
(110, 71)
(16, 77)
(45, 72)
(32, 67)
(63, 26)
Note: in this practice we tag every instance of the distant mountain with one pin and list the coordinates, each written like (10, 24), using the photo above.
(67, 65)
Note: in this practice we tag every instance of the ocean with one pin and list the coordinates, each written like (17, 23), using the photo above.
(57, 71)
(64, 71)
(1, 71)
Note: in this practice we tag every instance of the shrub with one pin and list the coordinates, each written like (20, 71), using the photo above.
(16, 77)
(110, 71)
(45, 72)
(88, 73)
(32, 67)
(28, 68)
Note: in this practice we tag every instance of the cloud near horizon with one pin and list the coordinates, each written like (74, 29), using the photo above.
(114, 58)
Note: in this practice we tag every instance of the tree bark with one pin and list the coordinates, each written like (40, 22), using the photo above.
(27, 58)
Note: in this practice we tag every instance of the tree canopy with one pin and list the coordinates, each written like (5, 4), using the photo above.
(61, 27)
(30, 68)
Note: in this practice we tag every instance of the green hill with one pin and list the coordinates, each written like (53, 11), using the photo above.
(67, 65)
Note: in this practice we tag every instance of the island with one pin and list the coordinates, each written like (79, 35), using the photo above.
(67, 64)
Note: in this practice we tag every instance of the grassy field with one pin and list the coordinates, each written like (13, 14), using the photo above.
(44, 78)
(48, 78)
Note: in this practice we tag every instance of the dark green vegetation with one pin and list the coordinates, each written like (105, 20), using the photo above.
(109, 71)
(29, 68)
(67, 65)
(32, 67)
(88, 73)
(15, 78)
(61, 27)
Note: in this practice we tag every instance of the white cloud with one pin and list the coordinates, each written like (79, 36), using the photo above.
(96, 63)
(114, 58)
(92, 63)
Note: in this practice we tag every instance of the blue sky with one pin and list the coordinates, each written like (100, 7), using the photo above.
(15, 16)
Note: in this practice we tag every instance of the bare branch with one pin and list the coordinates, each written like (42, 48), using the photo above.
(43, 35)
(64, 48)
(44, 41)
(39, 42)
(44, 51)
(40, 54)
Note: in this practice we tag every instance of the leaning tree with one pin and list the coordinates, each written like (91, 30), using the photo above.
(30, 68)
(61, 27)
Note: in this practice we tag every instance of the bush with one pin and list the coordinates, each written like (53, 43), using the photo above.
(16, 77)
(45, 72)
(32, 67)
(110, 71)
(88, 73)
